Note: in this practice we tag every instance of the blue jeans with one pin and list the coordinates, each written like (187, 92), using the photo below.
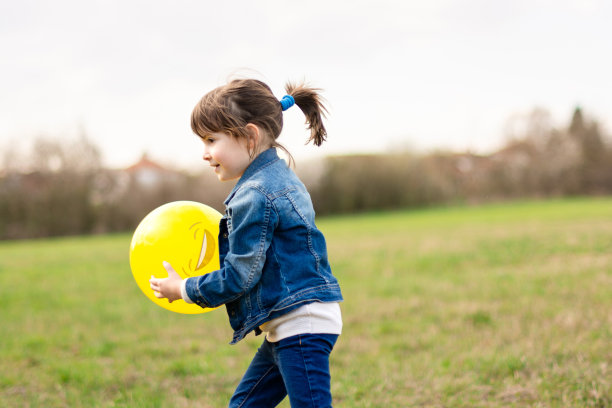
(297, 366)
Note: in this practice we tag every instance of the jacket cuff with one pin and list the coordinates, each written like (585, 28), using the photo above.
(184, 294)
(192, 292)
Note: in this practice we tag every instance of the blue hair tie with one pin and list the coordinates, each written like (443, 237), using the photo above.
(287, 101)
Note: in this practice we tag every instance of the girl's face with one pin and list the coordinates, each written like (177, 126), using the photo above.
(229, 156)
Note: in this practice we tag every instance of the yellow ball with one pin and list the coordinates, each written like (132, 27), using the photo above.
(183, 233)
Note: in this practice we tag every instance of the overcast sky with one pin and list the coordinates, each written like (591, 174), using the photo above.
(396, 74)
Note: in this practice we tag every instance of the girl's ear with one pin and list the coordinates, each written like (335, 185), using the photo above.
(254, 135)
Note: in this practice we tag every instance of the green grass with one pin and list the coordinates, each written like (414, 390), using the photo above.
(506, 305)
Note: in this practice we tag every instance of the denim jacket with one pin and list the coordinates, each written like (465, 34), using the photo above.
(273, 258)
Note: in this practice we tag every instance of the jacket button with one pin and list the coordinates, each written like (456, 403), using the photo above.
(225, 235)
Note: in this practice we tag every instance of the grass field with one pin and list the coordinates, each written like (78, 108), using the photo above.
(506, 305)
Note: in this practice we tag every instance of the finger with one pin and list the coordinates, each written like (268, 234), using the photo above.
(158, 295)
(154, 284)
(170, 270)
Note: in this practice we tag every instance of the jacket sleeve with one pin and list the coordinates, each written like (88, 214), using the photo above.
(253, 220)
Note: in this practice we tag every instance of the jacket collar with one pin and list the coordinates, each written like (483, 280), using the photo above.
(264, 159)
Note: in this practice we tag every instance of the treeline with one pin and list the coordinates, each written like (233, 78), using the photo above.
(63, 188)
(539, 160)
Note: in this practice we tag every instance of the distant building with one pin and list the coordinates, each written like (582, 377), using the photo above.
(148, 173)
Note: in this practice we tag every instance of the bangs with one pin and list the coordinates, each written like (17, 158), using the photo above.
(216, 114)
(204, 122)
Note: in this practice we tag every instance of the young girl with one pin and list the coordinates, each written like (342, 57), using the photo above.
(275, 276)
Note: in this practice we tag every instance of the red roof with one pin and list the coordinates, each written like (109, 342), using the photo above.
(145, 164)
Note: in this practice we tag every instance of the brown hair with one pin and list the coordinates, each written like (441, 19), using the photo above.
(229, 108)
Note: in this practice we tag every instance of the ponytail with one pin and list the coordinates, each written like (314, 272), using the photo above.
(311, 104)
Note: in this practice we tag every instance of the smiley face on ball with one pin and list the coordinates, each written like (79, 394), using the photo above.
(205, 247)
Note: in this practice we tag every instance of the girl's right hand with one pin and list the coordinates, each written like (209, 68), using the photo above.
(170, 287)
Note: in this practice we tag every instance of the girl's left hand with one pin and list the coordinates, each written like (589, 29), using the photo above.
(169, 287)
